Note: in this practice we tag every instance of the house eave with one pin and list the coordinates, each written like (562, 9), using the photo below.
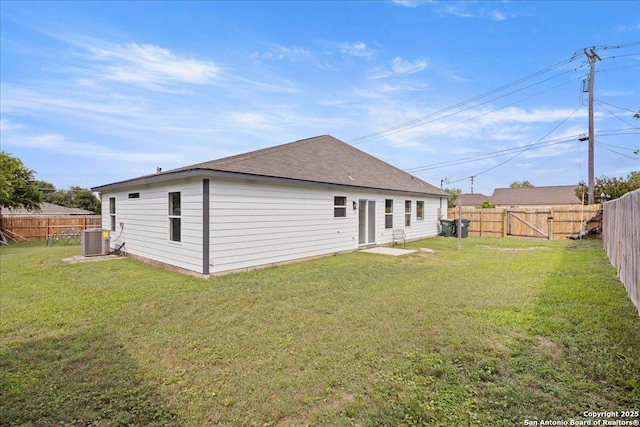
(211, 173)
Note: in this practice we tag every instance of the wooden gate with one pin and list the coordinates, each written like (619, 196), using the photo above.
(529, 224)
(532, 222)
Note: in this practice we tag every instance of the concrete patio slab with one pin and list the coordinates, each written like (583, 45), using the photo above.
(80, 258)
(389, 251)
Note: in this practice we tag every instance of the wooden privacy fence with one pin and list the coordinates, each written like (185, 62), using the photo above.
(38, 227)
(547, 223)
(621, 240)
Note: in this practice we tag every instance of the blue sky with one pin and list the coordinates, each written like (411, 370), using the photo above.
(96, 92)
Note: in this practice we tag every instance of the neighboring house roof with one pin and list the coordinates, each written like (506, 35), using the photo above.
(551, 195)
(46, 209)
(475, 199)
(322, 159)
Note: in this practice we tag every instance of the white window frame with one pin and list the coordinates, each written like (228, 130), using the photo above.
(407, 213)
(419, 210)
(388, 213)
(175, 216)
(112, 213)
(339, 206)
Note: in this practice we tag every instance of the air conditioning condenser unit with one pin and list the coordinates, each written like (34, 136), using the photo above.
(95, 242)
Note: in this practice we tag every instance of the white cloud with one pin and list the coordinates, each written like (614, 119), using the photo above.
(619, 92)
(633, 28)
(61, 144)
(511, 125)
(473, 10)
(7, 125)
(282, 53)
(356, 49)
(404, 67)
(463, 150)
(407, 3)
(43, 98)
(399, 67)
(497, 15)
(457, 10)
(150, 65)
(282, 86)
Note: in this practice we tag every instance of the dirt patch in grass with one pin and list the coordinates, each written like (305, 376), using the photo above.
(525, 249)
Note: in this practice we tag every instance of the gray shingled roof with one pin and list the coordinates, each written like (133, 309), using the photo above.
(551, 195)
(46, 209)
(322, 159)
(474, 199)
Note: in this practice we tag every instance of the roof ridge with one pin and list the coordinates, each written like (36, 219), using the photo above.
(322, 159)
(259, 153)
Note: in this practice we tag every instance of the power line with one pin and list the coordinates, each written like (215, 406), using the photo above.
(438, 115)
(493, 154)
(523, 151)
(619, 132)
(616, 152)
(615, 106)
(493, 110)
(618, 146)
(418, 121)
(507, 151)
(614, 114)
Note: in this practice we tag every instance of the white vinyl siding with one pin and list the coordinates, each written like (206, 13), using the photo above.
(251, 223)
(267, 223)
(263, 223)
(145, 230)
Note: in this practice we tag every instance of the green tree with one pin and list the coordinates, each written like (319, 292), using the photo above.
(455, 192)
(18, 188)
(75, 197)
(486, 205)
(634, 180)
(521, 184)
(611, 188)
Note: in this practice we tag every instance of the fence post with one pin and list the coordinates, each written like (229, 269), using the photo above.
(505, 214)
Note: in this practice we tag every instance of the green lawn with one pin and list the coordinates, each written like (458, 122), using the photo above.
(500, 332)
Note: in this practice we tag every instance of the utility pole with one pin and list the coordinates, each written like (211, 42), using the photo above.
(472, 178)
(593, 57)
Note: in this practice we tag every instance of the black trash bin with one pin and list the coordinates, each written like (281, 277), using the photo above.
(447, 227)
(465, 228)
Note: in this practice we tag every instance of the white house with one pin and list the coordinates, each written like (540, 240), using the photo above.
(304, 199)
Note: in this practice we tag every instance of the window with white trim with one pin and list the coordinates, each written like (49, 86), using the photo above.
(339, 207)
(112, 213)
(420, 210)
(388, 213)
(407, 213)
(174, 217)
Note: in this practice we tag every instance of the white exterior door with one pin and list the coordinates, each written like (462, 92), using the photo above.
(367, 222)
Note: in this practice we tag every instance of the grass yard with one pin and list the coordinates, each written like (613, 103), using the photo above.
(501, 332)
